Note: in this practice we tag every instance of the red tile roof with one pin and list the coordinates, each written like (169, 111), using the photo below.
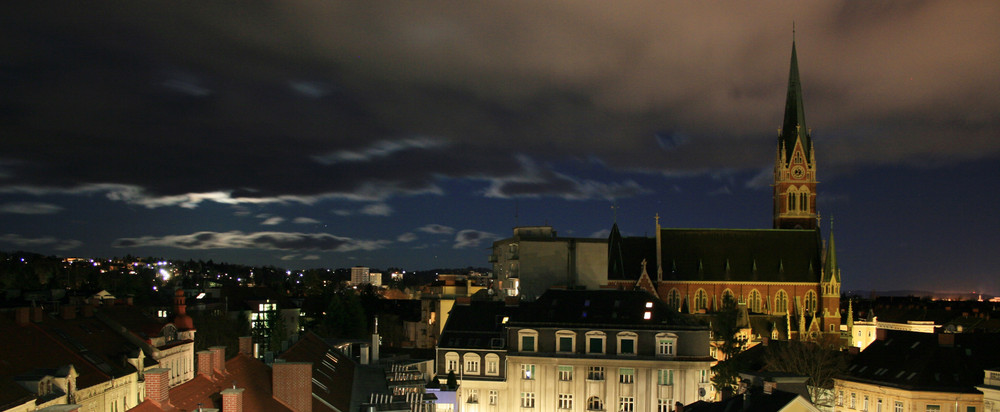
(241, 371)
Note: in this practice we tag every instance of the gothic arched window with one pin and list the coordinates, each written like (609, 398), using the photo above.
(810, 301)
(700, 300)
(781, 302)
(674, 299)
(754, 301)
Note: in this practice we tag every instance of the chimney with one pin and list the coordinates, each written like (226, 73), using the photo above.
(88, 311)
(36, 314)
(158, 385)
(232, 399)
(68, 312)
(880, 334)
(205, 363)
(292, 385)
(22, 316)
(246, 346)
(946, 340)
(219, 356)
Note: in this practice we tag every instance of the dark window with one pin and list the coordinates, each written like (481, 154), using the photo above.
(565, 344)
(528, 343)
(596, 345)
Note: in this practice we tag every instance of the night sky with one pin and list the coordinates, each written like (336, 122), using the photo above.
(412, 134)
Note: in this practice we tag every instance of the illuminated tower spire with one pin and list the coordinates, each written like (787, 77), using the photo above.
(795, 162)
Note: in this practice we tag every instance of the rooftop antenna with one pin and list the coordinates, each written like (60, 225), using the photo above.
(793, 31)
(614, 209)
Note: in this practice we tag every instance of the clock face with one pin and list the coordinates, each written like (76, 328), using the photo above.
(798, 172)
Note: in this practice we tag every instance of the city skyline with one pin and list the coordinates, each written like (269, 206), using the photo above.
(331, 135)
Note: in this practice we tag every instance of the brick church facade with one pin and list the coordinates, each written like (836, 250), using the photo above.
(786, 275)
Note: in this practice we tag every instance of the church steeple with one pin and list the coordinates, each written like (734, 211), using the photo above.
(795, 161)
(794, 129)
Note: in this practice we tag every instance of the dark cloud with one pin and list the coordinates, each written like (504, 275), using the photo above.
(36, 242)
(470, 238)
(258, 240)
(437, 229)
(301, 101)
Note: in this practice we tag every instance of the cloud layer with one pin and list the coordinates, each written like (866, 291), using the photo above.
(305, 101)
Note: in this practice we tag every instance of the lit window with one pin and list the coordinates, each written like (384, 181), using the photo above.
(473, 396)
(492, 364)
(451, 361)
(527, 371)
(471, 363)
(665, 344)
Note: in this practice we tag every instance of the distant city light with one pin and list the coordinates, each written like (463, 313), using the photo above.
(164, 274)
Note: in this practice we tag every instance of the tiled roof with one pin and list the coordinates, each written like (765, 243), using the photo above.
(55, 343)
(241, 371)
(333, 371)
(925, 361)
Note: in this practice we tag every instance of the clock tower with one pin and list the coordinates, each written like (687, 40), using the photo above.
(795, 162)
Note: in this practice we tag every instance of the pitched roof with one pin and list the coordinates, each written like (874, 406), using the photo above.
(241, 371)
(770, 255)
(926, 361)
(334, 372)
(598, 307)
(475, 325)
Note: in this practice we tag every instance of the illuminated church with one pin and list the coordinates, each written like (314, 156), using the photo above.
(786, 277)
(785, 272)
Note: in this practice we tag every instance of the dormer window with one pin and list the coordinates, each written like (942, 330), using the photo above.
(665, 344)
(595, 342)
(565, 341)
(527, 339)
(626, 343)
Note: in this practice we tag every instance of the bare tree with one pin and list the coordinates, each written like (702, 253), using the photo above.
(808, 359)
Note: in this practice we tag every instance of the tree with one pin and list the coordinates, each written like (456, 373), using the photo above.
(811, 360)
(726, 332)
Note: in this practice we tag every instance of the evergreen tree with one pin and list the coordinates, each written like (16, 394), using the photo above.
(725, 330)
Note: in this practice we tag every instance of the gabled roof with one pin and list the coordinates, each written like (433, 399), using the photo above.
(925, 361)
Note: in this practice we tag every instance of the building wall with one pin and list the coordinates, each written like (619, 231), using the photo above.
(911, 401)
(561, 262)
